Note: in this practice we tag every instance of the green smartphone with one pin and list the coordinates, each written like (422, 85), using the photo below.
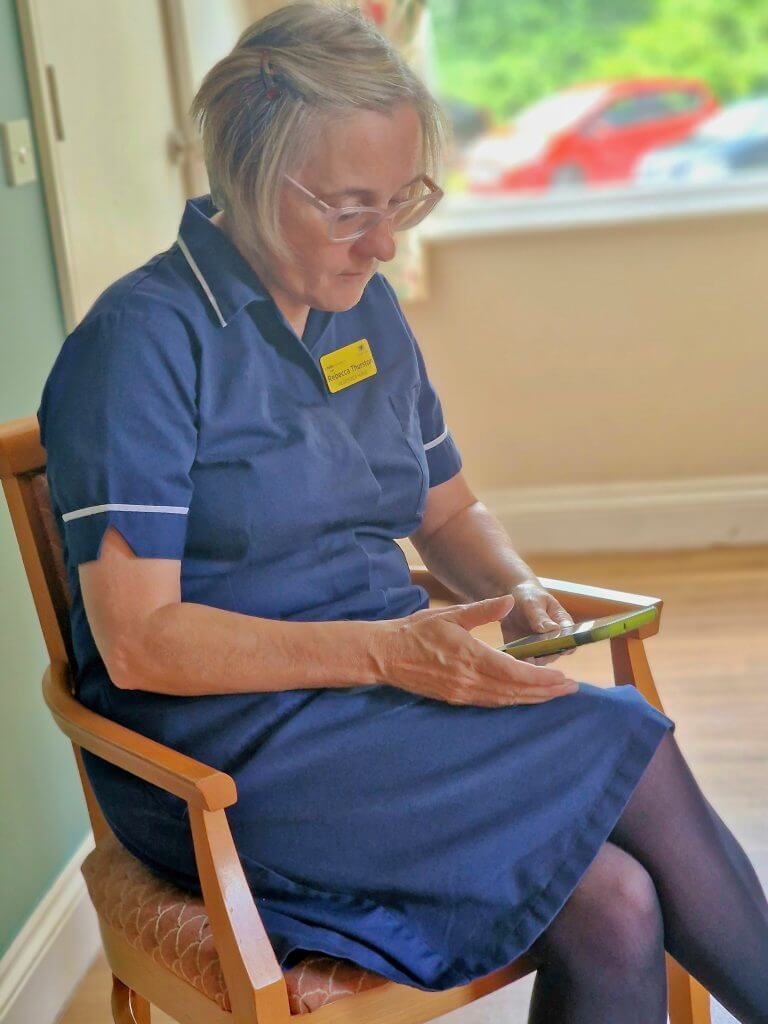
(539, 645)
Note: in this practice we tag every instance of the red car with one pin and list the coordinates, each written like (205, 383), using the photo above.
(589, 133)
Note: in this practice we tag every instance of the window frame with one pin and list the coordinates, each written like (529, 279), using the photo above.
(468, 216)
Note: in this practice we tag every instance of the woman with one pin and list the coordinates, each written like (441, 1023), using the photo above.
(236, 433)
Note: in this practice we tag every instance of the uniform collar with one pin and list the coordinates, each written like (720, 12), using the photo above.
(228, 281)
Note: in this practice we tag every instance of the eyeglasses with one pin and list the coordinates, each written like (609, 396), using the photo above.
(346, 223)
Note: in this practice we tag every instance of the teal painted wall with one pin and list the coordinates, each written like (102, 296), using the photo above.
(41, 807)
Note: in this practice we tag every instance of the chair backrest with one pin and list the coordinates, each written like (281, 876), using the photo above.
(22, 470)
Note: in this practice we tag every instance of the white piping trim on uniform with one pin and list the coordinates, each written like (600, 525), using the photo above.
(203, 283)
(438, 440)
(92, 510)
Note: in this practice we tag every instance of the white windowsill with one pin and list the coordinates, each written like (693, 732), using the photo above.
(464, 216)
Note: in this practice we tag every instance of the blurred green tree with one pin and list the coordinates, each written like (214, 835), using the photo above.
(502, 56)
(722, 42)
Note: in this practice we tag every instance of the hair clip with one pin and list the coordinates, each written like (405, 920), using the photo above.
(271, 88)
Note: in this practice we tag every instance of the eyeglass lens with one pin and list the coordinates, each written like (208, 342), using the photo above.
(348, 225)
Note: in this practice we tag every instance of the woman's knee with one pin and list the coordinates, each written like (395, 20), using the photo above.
(612, 919)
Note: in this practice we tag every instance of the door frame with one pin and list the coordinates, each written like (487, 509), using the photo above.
(49, 131)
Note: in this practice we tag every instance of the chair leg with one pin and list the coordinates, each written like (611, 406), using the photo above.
(688, 1002)
(128, 1007)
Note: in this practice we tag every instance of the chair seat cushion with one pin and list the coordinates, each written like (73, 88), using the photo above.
(172, 927)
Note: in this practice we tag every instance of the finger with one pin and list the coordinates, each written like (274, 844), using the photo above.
(537, 687)
(558, 613)
(539, 619)
(546, 659)
(545, 695)
(481, 612)
(538, 677)
(534, 608)
(430, 613)
(482, 688)
(494, 696)
(545, 625)
(538, 690)
(494, 665)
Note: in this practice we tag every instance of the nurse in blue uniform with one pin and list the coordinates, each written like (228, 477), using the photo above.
(237, 433)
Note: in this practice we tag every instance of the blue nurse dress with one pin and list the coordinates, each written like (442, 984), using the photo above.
(429, 842)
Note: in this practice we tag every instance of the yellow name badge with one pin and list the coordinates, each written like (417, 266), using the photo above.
(348, 365)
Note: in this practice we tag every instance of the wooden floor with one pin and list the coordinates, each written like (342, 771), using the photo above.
(710, 662)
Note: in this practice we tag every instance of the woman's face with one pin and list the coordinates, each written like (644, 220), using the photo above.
(365, 159)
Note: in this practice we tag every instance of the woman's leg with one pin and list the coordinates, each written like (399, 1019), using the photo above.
(741, 863)
(715, 913)
(602, 957)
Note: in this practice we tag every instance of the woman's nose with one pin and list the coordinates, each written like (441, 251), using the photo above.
(378, 243)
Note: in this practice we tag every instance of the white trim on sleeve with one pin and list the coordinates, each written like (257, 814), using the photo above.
(199, 275)
(92, 510)
(438, 440)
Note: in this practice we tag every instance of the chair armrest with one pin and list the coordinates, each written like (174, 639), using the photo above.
(252, 973)
(585, 602)
(579, 600)
(201, 786)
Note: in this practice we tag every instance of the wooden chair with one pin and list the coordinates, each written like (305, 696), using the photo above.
(227, 972)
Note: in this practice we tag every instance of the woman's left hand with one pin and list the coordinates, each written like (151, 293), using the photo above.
(535, 611)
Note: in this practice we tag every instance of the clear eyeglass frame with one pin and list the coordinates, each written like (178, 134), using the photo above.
(346, 223)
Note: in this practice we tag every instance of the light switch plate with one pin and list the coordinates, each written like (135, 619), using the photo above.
(19, 152)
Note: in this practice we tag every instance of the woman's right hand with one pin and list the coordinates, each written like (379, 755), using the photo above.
(432, 653)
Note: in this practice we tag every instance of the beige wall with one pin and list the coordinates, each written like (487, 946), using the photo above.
(612, 353)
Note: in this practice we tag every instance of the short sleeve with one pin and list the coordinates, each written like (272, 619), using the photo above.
(118, 422)
(443, 457)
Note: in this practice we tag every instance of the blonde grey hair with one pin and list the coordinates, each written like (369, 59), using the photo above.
(328, 60)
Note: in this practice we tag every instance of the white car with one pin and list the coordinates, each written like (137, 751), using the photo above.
(732, 141)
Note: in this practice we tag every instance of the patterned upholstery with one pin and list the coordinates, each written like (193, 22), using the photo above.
(172, 926)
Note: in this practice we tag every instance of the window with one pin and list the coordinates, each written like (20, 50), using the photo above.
(680, 101)
(552, 98)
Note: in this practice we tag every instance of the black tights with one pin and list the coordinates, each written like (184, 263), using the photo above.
(671, 876)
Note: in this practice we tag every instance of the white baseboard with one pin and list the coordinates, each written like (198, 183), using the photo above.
(644, 516)
(52, 952)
